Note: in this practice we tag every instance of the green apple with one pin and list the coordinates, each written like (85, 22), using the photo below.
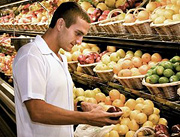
(114, 56)
(121, 53)
(111, 64)
(105, 59)
(138, 53)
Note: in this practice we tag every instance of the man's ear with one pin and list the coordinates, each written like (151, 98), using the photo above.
(60, 23)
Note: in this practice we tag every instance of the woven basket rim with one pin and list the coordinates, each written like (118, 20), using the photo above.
(109, 23)
(87, 65)
(72, 62)
(162, 24)
(160, 85)
(132, 77)
(99, 71)
(129, 24)
(143, 21)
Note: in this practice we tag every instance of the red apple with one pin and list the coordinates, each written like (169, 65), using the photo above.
(106, 12)
(102, 17)
(89, 60)
(114, 109)
(81, 59)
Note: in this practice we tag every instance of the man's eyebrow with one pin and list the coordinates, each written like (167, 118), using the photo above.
(78, 31)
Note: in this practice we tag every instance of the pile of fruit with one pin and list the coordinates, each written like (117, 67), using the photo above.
(137, 113)
(77, 50)
(164, 72)
(98, 10)
(136, 63)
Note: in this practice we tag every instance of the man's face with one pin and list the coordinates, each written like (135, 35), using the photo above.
(74, 34)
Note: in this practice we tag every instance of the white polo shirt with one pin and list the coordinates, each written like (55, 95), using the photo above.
(39, 74)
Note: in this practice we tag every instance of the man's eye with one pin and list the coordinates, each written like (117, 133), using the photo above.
(78, 34)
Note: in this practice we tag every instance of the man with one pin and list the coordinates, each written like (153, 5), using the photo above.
(43, 85)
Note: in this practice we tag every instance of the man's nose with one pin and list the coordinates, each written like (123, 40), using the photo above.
(79, 40)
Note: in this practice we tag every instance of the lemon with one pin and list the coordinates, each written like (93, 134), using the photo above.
(147, 109)
(163, 121)
(131, 103)
(126, 111)
(149, 102)
(148, 124)
(140, 100)
(133, 114)
(133, 125)
(141, 118)
(123, 129)
(124, 121)
(113, 133)
(154, 118)
(139, 107)
(130, 134)
(156, 111)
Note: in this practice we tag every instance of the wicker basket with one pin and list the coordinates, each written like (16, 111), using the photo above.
(73, 65)
(143, 26)
(132, 27)
(147, 131)
(88, 68)
(105, 75)
(134, 82)
(167, 90)
(113, 26)
(169, 31)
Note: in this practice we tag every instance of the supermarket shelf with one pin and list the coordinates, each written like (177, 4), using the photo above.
(135, 43)
(148, 44)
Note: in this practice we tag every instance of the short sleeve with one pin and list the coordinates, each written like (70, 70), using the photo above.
(30, 76)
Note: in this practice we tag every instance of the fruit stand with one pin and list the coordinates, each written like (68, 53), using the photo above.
(95, 64)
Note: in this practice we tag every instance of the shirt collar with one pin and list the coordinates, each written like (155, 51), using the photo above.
(42, 45)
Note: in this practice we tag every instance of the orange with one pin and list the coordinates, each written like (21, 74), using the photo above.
(156, 57)
(125, 73)
(127, 64)
(143, 69)
(114, 94)
(165, 59)
(137, 61)
(117, 68)
(146, 57)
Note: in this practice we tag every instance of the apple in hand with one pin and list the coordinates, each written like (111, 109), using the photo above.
(114, 109)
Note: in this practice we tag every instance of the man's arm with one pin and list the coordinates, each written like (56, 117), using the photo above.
(45, 113)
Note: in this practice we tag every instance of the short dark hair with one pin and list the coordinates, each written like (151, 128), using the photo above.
(69, 11)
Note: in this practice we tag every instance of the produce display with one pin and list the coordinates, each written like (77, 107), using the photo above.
(164, 72)
(153, 76)
(137, 112)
